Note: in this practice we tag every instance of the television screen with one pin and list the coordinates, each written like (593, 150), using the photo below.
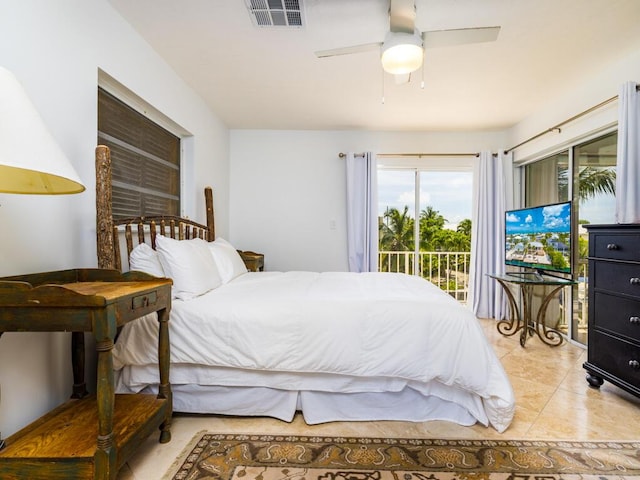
(539, 237)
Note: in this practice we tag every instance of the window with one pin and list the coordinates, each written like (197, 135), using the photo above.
(437, 246)
(145, 160)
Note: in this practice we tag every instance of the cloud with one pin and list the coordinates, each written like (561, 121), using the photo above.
(551, 216)
(528, 219)
(409, 198)
(512, 217)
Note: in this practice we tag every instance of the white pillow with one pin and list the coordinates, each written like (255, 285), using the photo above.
(189, 264)
(229, 261)
(145, 259)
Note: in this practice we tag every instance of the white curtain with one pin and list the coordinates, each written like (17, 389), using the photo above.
(362, 218)
(628, 165)
(491, 197)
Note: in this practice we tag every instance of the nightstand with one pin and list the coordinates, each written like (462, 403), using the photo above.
(254, 261)
(89, 436)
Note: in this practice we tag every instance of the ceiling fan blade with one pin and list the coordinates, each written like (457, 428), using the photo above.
(459, 36)
(402, 16)
(367, 47)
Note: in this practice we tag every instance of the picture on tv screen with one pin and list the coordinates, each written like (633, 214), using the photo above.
(539, 237)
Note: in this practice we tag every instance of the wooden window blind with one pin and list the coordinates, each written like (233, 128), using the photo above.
(145, 160)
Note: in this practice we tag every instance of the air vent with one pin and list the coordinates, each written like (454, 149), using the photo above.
(276, 13)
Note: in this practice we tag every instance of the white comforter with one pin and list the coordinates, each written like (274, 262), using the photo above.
(370, 331)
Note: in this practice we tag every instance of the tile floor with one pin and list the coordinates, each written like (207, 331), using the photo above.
(553, 402)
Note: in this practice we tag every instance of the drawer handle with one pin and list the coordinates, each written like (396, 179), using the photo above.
(144, 301)
(634, 281)
(635, 364)
(634, 320)
(612, 246)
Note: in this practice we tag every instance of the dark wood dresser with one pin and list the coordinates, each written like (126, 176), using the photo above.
(614, 306)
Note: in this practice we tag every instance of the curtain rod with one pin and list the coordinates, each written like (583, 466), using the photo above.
(569, 120)
(342, 155)
(555, 128)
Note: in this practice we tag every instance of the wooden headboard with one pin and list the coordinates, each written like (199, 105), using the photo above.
(108, 230)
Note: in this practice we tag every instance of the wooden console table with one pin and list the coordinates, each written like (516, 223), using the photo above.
(522, 320)
(89, 436)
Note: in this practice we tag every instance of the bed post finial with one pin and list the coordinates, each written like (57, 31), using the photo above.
(211, 229)
(104, 217)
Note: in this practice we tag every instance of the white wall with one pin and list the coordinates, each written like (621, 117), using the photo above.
(56, 49)
(590, 92)
(288, 187)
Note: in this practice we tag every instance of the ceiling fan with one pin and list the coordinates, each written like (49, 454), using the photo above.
(402, 51)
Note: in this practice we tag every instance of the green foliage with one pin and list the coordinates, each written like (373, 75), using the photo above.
(557, 259)
(396, 232)
(591, 182)
(464, 227)
(431, 223)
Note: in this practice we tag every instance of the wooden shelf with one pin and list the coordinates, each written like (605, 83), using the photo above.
(62, 443)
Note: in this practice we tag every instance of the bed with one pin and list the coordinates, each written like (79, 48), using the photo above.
(335, 346)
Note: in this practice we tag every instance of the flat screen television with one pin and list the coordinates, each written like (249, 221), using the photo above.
(539, 238)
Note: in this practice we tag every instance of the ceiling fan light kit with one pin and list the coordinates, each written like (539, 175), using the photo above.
(402, 53)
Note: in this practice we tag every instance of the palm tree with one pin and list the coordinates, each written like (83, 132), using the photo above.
(591, 182)
(594, 180)
(464, 227)
(431, 222)
(396, 232)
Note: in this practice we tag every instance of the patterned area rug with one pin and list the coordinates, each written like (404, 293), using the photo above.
(272, 457)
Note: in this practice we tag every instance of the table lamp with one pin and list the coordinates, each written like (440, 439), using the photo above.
(31, 161)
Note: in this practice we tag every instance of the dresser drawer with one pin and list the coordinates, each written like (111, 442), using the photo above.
(617, 357)
(616, 247)
(615, 277)
(617, 315)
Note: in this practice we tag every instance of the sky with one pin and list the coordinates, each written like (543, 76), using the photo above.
(447, 192)
(599, 209)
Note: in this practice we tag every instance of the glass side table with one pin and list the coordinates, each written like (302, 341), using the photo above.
(521, 320)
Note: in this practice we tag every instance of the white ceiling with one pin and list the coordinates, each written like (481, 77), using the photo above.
(269, 78)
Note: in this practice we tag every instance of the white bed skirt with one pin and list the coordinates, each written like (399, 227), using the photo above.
(316, 407)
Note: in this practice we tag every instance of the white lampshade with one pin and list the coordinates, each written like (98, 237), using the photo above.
(402, 53)
(30, 159)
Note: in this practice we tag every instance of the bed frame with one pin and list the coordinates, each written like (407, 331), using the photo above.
(108, 229)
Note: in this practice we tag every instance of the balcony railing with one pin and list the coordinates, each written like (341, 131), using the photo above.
(447, 270)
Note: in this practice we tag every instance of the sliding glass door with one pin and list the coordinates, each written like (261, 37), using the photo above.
(585, 174)
(594, 187)
(437, 245)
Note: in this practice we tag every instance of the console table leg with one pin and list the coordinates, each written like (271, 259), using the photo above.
(78, 359)
(548, 335)
(105, 456)
(527, 294)
(513, 324)
(164, 389)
